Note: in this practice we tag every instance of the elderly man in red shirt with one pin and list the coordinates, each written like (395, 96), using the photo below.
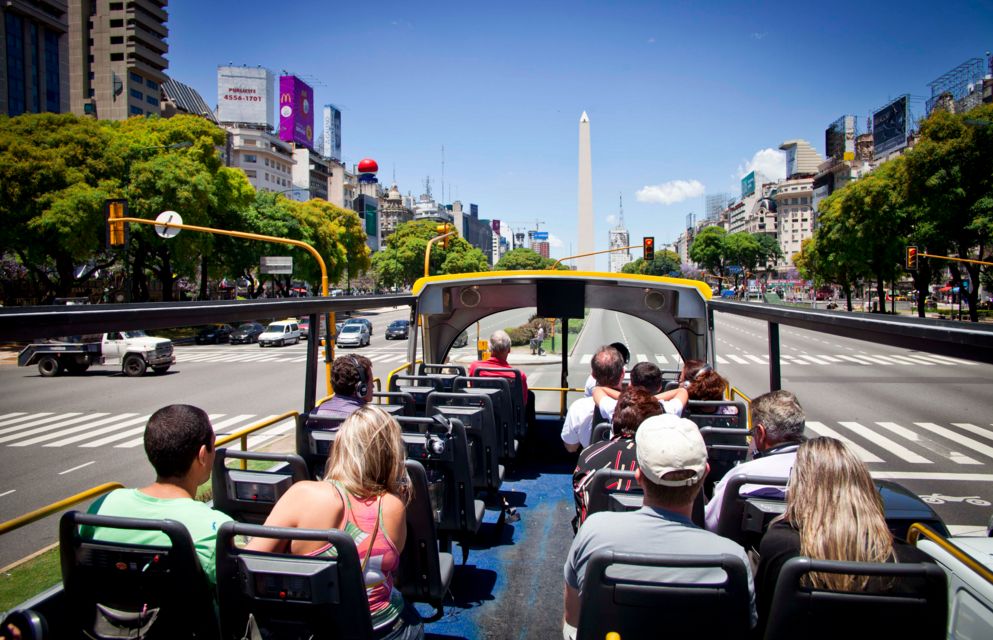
(499, 350)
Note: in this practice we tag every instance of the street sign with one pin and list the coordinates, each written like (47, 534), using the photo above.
(277, 265)
(168, 217)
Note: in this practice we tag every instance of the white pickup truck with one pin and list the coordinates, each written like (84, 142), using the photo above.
(133, 351)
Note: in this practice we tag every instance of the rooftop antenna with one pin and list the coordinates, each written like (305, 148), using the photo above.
(442, 174)
(394, 173)
(620, 196)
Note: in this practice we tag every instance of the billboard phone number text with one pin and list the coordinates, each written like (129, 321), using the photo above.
(240, 98)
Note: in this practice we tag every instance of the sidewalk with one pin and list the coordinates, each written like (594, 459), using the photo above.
(520, 357)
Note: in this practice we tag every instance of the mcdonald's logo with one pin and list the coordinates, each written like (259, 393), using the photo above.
(286, 96)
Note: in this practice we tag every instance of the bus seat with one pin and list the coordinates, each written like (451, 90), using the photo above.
(420, 387)
(147, 591)
(603, 499)
(798, 611)
(395, 402)
(249, 495)
(603, 431)
(28, 623)
(290, 596)
(314, 435)
(475, 411)
(425, 573)
(517, 394)
(503, 408)
(726, 449)
(696, 411)
(746, 525)
(622, 594)
(441, 446)
(444, 372)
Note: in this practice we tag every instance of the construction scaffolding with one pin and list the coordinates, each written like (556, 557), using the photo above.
(964, 84)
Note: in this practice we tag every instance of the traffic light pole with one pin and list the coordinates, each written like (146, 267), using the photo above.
(427, 251)
(593, 253)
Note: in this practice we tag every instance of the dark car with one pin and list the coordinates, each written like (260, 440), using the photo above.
(461, 341)
(367, 323)
(247, 333)
(398, 330)
(215, 334)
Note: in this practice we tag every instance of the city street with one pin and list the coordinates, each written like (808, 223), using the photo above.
(919, 419)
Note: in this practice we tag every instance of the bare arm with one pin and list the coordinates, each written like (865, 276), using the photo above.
(395, 520)
(599, 393)
(679, 393)
(307, 505)
(571, 607)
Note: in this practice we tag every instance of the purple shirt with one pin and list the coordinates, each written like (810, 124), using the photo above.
(340, 406)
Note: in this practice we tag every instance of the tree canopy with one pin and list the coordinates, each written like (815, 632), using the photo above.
(522, 258)
(401, 261)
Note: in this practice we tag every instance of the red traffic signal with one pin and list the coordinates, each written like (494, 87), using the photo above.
(911, 262)
(648, 244)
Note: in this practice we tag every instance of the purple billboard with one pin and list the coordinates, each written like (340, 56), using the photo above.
(296, 111)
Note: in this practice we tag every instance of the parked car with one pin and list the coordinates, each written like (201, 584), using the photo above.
(461, 341)
(367, 323)
(353, 335)
(247, 333)
(398, 329)
(280, 333)
(214, 334)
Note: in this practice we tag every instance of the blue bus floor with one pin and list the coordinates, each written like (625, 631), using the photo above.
(511, 585)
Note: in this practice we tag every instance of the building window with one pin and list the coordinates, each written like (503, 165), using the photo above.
(152, 100)
(117, 57)
(35, 68)
(53, 97)
(267, 162)
(117, 6)
(116, 39)
(151, 84)
(116, 24)
(137, 95)
(249, 143)
(248, 157)
(15, 63)
(135, 77)
(136, 111)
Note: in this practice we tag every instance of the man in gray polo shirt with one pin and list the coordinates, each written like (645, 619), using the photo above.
(672, 465)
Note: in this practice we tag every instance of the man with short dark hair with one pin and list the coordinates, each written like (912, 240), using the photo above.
(179, 442)
(672, 465)
(351, 381)
(778, 422)
(608, 370)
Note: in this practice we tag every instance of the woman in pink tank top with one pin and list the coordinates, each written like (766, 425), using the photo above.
(364, 493)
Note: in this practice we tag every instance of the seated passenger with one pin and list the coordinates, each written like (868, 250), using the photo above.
(179, 442)
(672, 465)
(608, 370)
(351, 381)
(777, 430)
(707, 384)
(499, 350)
(648, 377)
(364, 494)
(621, 349)
(833, 512)
(634, 406)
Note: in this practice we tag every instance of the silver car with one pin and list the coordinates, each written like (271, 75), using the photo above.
(353, 335)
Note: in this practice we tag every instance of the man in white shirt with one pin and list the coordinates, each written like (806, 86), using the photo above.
(608, 371)
(777, 430)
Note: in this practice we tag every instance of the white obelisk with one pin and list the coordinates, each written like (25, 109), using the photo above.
(585, 229)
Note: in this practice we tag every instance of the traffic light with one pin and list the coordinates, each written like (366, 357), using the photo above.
(649, 246)
(912, 258)
(117, 232)
(441, 229)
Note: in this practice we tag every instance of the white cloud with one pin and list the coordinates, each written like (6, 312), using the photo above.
(670, 192)
(554, 241)
(769, 162)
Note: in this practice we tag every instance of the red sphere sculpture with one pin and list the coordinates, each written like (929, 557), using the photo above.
(368, 165)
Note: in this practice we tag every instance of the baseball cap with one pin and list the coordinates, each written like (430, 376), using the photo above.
(667, 443)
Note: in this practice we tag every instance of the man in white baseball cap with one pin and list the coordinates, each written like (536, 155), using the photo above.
(672, 465)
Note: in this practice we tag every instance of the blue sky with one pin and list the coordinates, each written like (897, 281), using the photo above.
(675, 91)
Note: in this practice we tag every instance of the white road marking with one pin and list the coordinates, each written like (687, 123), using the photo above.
(10, 415)
(757, 359)
(788, 359)
(661, 359)
(883, 360)
(132, 432)
(77, 468)
(885, 443)
(738, 359)
(230, 421)
(587, 357)
(88, 427)
(49, 427)
(34, 423)
(823, 430)
(979, 431)
(920, 360)
(813, 359)
(853, 359)
(932, 475)
(641, 357)
(99, 432)
(975, 445)
(7, 493)
(928, 443)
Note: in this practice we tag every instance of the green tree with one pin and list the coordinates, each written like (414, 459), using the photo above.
(769, 252)
(401, 261)
(708, 250)
(835, 254)
(666, 263)
(522, 258)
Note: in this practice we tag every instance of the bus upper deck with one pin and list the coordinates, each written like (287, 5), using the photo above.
(509, 582)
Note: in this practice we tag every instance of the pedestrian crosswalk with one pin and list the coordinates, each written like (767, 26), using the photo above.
(801, 360)
(879, 443)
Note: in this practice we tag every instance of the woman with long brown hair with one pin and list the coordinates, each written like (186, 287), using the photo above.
(364, 493)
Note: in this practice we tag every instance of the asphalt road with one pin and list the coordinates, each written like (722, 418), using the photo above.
(921, 420)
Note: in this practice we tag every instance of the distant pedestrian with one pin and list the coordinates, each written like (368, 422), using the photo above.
(541, 340)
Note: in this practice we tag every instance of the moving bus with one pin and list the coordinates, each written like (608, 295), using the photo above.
(497, 486)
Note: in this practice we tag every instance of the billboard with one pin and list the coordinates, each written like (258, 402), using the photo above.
(244, 95)
(332, 132)
(839, 139)
(296, 111)
(540, 235)
(495, 225)
(748, 185)
(890, 127)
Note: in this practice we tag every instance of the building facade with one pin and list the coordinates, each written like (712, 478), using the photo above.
(34, 57)
(310, 174)
(795, 216)
(392, 212)
(266, 160)
(617, 238)
(117, 57)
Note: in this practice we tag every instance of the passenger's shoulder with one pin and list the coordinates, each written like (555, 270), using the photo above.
(908, 553)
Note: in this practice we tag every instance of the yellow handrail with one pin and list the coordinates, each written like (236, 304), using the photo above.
(563, 392)
(47, 510)
(243, 434)
(405, 365)
(735, 391)
(917, 530)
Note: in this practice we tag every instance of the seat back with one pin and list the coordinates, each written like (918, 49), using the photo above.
(315, 435)
(744, 526)
(446, 373)
(424, 574)
(28, 622)
(248, 495)
(475, 411)
(153, 590)
(601, 432)
(727, 447)
(647, 595)
(606, 483)
(500, 391)
(420, 387)
(441, 446)
(291, 596)
(516, 390)
(397, 403)
(909, 601)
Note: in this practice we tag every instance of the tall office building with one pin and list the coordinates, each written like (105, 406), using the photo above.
(585, 230)
(34, 58)
(117, 57)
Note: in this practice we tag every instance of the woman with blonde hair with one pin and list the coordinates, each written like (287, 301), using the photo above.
(833, 512)
(364, 493)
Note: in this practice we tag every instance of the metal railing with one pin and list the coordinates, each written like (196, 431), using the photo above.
(563, 392)
(55, 507)
(918, 530)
